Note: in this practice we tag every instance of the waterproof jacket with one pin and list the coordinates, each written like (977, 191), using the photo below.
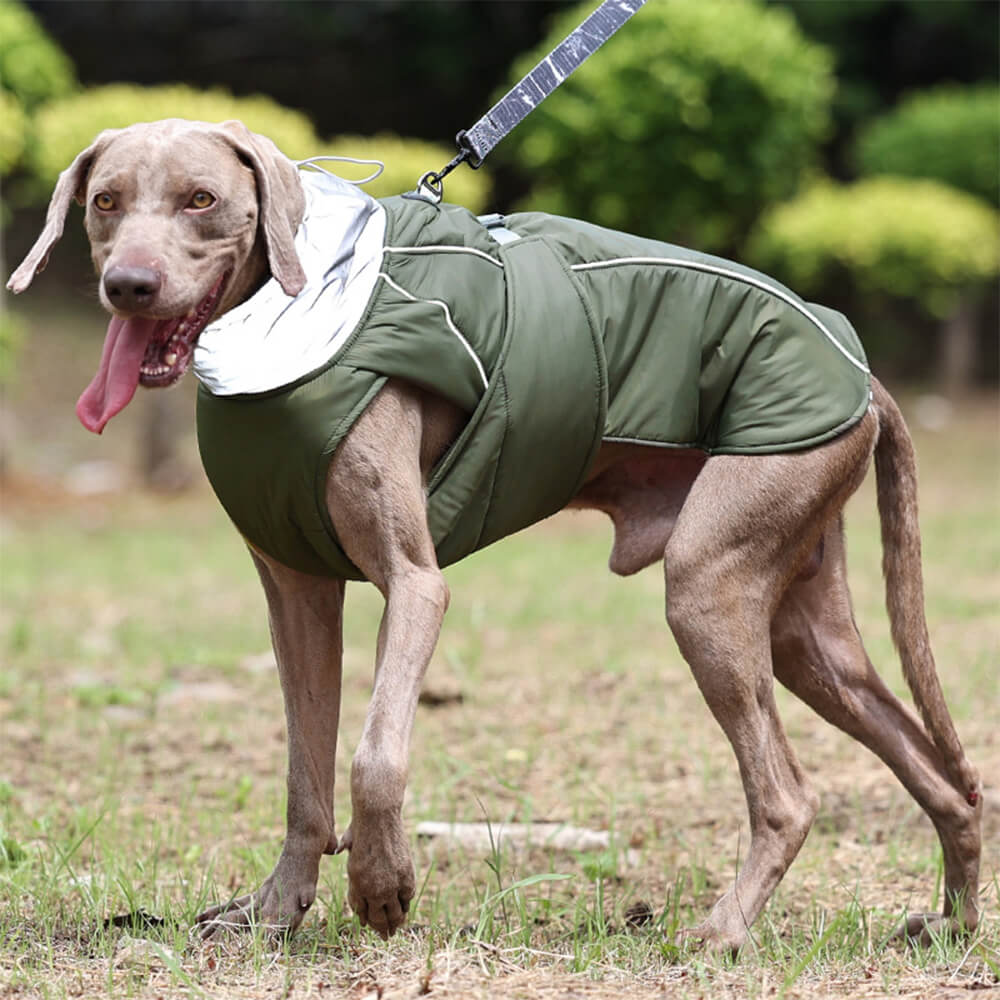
(568, 336)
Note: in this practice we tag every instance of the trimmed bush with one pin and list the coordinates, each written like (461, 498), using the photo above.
(911, 239)
(683, 126)
(13, 131)
(950, 134)
(66, 126)
(32, 66)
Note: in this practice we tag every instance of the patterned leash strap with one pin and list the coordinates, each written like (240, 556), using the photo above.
(475, 143)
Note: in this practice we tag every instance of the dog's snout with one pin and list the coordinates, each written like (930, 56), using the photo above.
(131, 288)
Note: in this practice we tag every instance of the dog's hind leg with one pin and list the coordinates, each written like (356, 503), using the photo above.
(748, 526)
(306, 615)
(819, 656)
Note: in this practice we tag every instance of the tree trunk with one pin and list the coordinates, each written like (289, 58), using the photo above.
(958, 348)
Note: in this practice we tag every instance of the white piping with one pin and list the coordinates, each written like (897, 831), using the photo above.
(681, 445)
(447, 315)
(736, 276)
(445, 249)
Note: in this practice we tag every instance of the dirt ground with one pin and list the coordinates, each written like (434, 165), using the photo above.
(143, 747)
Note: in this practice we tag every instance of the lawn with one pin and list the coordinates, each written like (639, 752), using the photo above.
(143, 749)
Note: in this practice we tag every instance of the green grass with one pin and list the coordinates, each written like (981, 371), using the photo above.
(143, 765)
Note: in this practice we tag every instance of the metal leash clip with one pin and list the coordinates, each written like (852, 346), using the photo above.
(430, 188)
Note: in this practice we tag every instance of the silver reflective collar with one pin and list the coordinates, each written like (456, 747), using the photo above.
(273, 339)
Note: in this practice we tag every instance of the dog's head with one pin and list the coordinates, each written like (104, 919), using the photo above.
(185, 220)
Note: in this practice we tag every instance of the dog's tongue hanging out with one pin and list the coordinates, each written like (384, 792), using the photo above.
(117, 377)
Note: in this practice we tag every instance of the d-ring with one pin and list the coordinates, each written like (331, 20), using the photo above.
(430, 187)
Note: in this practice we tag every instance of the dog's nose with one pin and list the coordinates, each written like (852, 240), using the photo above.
(131, 288)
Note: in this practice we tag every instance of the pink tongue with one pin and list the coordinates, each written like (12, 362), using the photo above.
(117, 377)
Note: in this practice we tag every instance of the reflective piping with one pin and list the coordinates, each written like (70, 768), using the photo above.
(445, 249)
(736, 276)
(447, 315)
(692, 446)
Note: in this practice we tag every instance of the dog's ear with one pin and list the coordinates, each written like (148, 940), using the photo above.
(72, 184)
(282, 201)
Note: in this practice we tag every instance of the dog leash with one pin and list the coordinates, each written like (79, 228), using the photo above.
(475, 144)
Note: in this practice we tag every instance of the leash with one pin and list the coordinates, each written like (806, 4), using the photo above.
(475, 144)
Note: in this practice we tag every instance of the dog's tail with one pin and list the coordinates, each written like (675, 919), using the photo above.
(896, 483)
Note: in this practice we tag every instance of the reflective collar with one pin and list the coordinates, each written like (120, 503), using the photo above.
(273, 339)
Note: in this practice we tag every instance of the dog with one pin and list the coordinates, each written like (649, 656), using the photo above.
(199, 230)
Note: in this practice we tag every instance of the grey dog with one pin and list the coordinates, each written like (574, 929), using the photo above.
(191, 224)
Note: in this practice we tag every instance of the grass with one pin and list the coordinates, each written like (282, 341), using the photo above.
(143, 756)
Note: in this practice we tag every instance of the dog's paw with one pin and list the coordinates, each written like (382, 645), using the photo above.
(277, 908)
(381, 878)
(725, 930)
(711, 939)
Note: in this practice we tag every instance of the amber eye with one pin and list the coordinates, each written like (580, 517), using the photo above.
(202, 199)
(104, 202)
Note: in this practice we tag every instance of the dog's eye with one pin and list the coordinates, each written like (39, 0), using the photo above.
(104, 202)
(202, 199)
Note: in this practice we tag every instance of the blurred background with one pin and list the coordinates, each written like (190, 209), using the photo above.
(851, 149)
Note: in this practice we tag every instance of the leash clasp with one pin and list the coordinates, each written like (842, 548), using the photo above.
(430, 187)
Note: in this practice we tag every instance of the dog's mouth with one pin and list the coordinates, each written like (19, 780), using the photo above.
(169, 350)
(140, 351)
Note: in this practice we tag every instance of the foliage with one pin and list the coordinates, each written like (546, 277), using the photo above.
(415, 69)
(13, 127)
(914, 239)
(950, 134)
(684, 126)
(888, 47)
(65, 127)
(32, 66)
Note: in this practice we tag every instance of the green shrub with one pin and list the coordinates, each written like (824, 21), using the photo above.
(684, 126)
(911, 239)
(406, 160)
(951, 134)
(66, 126)
(32, 66)
(13, 131)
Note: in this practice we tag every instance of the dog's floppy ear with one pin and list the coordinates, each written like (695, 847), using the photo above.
(71, 184)
(282, 202)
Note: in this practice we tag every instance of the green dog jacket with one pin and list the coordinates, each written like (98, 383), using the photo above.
(568, 336)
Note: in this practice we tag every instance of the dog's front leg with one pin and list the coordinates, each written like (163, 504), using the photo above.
(382, 881)
(377, 503)
(306, 616)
